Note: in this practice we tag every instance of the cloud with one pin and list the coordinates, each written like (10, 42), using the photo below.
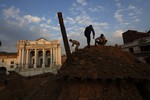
(32, 19)
(115, 37)
(15, 27)
(82, 2)
(118, 15)
(131, 7)
(96, 8)
(126, 15)
(70, 20)
(118, 33)
(11, 12)
(3, 5)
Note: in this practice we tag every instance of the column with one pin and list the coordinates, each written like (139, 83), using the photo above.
(19, 56)
(51, 51)
(22, 58)
(27, 58)
(56, 53)
(54, 56)
(43, 65)
(35, 59)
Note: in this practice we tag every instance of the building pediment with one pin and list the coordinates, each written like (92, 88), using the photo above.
(42, 39)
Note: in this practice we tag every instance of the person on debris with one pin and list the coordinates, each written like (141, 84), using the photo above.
(100, 40)
(75, 42)
(87, 34)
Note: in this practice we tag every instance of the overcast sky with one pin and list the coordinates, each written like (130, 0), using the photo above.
(33, 19)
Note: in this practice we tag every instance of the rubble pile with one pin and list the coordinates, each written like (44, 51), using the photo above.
(104, 73)
(104, 62)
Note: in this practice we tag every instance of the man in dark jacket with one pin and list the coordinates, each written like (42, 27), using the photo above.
(87, 34)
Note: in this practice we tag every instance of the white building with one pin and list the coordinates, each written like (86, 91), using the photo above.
(36, 57)
(139, 47)
(8, 60)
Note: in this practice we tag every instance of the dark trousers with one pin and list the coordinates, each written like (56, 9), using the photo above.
(88, 40)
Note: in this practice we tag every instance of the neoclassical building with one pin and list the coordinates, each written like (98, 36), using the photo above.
(38, 54)
(33, 57)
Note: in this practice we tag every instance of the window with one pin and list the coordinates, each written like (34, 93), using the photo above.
(131, 50)
(12, 62)
(145, 48)
(11, 66)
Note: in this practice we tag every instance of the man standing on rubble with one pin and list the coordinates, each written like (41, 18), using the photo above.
(75, 42)
(87, 34)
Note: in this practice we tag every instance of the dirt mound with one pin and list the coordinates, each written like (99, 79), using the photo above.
(104, 62)
(104, 73)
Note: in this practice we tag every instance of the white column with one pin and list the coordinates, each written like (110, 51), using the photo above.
(43, 65)
(56, 56)
(23, 58)
(19, 57)
(27, 58)
(51, 51)
(35, 59)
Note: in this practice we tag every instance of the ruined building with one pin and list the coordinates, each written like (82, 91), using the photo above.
(138, 44)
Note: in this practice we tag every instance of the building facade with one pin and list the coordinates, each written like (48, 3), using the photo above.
(36, 56)
(138, 44)
(8, 60)
(41, 53)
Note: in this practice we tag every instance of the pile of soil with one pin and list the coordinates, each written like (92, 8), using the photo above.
(104, 73)
(104, 62)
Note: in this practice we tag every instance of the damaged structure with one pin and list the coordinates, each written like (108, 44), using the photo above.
(138, 44)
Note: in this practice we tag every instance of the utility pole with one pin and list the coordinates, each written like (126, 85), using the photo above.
(63, 31)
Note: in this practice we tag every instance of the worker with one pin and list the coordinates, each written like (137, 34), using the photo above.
(75, 42)
(87, 34)
(100, 40)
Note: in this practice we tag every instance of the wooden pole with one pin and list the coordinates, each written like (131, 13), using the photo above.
(63, 31)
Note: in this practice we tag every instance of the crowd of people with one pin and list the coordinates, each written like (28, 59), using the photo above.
(101, 40)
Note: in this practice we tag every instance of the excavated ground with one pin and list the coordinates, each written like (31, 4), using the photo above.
(95, 73)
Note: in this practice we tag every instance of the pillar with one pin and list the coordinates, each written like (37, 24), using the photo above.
(19, 58)
(27, 58)
(51, 51)
(35, 59)
(43, 65)
(56, 56)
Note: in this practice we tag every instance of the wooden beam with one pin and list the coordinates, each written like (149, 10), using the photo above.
(63, 31)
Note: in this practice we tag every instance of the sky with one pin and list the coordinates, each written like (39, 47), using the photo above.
(33, 19)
